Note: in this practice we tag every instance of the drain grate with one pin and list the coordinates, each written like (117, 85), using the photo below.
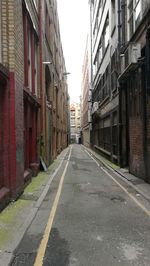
(137, 182)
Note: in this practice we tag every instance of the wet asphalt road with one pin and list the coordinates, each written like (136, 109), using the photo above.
(96, 222)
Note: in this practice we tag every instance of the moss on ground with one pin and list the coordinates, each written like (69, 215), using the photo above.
(8, 220)
(41, 179)
(8, 217)
(36, 183)
(114, 166)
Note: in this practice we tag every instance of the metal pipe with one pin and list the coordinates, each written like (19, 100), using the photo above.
(119, 23)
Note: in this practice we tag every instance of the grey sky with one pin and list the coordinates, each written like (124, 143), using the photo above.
(74, 24)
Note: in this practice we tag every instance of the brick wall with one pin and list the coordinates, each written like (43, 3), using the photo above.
(136, 160)
(12, 58)
(56, 118)
(148, 140)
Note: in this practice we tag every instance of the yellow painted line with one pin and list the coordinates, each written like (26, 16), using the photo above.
(130, 195)
(44, 241)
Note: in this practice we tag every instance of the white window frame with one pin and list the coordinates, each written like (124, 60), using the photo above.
(106, 33)
(113, 15)
(35, 3)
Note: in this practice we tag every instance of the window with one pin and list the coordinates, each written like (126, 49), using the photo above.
(115, 133)
(30, 55)
(134, 15)
(95, 66)
(29, 60)
(106, 35)
(131, 18)
(46, 23)
(99, 12)
(36, 69)
(100, 53)
(138, 9)
(36, 3)
(98, 19)
(114, 72)
(95, 30)
(104, 134)
(113, 16)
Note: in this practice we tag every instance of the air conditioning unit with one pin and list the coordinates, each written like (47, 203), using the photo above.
(130, 58)
(122, 63)
(95, 107)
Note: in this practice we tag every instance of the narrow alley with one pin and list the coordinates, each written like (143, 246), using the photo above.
(89, 217)
(75, 133)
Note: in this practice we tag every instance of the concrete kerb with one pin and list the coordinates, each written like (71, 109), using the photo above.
(142, 191)
(4, 258)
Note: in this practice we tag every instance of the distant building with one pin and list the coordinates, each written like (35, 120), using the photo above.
(75, 122)
(85, 98)
(105, 66)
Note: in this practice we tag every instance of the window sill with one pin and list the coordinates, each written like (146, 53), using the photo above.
(113, 31)
(102, 150)
(105, 100)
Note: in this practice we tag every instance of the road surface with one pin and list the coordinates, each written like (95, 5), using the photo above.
(89, 217)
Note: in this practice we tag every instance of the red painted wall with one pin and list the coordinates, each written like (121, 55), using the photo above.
(16, 135)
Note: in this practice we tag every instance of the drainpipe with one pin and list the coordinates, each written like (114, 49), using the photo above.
(146, 96)
(91, 76)
(119, 90)
(119, 24)
(41, 64)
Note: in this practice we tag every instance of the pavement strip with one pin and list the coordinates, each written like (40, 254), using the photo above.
(141, 206)
(6, 256)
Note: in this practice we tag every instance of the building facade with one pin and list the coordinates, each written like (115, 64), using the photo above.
(120, 36)
(33, 92)
(54, 81)
(85, 119)
(105, 65)
(12, 86)
(134, 83)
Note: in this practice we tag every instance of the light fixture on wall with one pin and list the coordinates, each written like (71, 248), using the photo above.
(66, 73)
(47, 63)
